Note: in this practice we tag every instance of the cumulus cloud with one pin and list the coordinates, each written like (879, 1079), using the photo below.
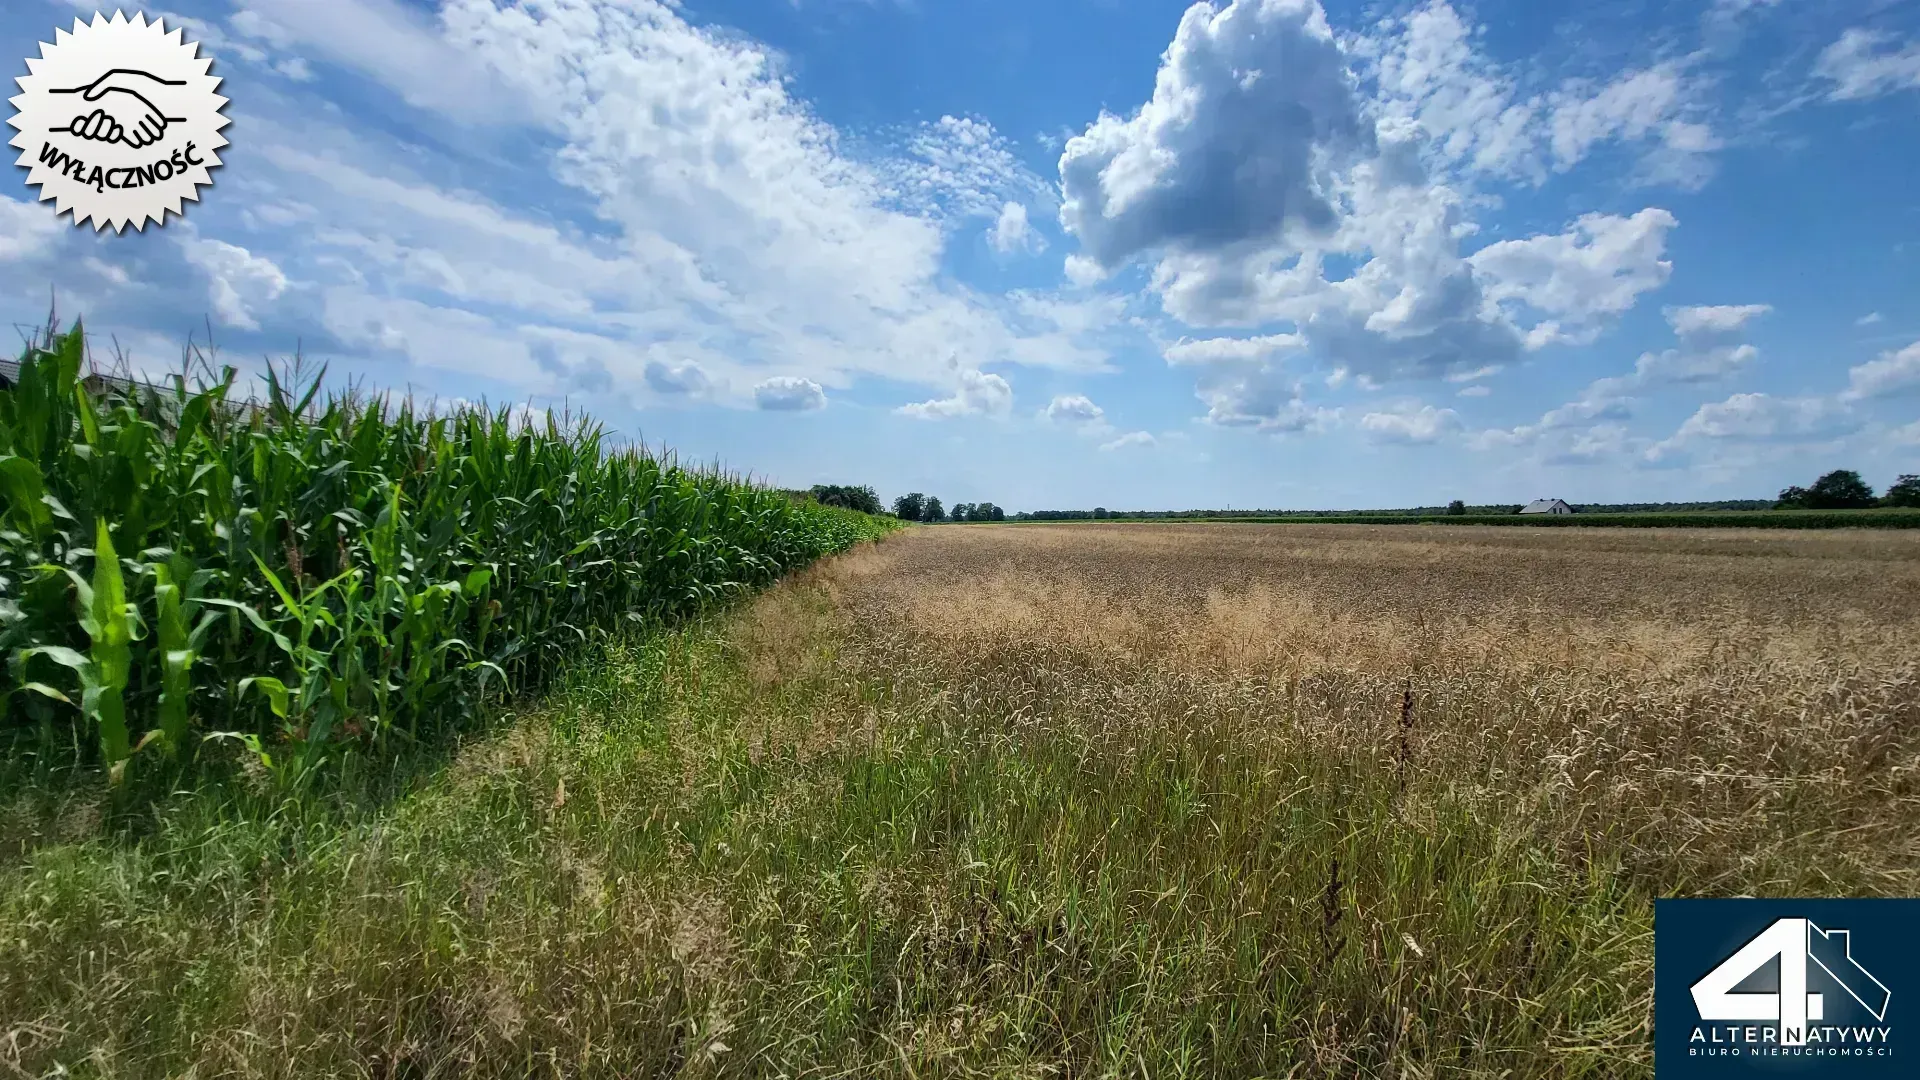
(684, 205)
(1257, 173)
(1709, 349)
(1763, 417)
(26, 229)
(1074, 409)
(1588, 411)
(1131, 438)
(1409, 424)
(1427, 72)
(789, 393)
(239, 282)
(1244, 399)
(1866, 64)
(979, 394)
(1012, 232)
(1425, 68)
(1894, 373)
(682, 378)
(1234, 350)
(1252, 103)
(1596, 269)
(1713, 319)
(1244, 383)
(1649, 107)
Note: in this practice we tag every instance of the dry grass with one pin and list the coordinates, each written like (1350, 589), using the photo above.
(1084, 801)
(1725, 701)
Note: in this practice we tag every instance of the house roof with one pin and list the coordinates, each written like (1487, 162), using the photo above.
(1542, 506)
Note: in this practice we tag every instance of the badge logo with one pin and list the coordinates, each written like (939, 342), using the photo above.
(118, 122)
(1764, 987)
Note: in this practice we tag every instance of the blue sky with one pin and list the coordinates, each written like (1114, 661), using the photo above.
(1080, 252)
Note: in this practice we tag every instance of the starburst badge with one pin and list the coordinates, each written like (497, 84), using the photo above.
(118, 122)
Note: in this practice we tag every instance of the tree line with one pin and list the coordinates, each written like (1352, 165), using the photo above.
(915, 506)
(1843, 489)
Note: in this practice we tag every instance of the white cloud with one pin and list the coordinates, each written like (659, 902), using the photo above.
(1907, 436)
(1426, 69)
(1210, 350)
(1565, 421)
(789, 393)
(960, 167)
(1243, 383)
(684, 209)
(1083, 272)
(1408, 424)
(1596, 269)
(1866, 64)
(979, 394)
(1689, 365)
(1131, 438)
(396, 45)
(1475, 391)
(1894, 373)
(1012, 232)
(1074, 409)
(1251, 102)
(27, 229)
(1869, 319)
(1708, 350)
(239, 282)
(1256, 167)
(1720, 319)
(1763, 417)
(1653, 105)
(684, 378)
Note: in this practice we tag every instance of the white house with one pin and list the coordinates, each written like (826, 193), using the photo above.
(1547, 506)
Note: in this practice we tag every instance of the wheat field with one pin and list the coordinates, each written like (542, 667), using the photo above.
(1012, 801)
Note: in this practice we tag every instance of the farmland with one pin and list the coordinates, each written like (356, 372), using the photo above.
(1079, 800)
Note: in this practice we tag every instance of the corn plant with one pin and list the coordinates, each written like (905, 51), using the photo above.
(323, 571)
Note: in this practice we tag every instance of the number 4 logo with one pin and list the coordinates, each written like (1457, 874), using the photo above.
(1794, 942)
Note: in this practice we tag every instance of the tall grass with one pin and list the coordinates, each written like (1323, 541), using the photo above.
(319, 573)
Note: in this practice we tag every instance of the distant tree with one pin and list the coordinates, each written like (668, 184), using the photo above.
(931, 510)
(1841, 489)
(1904, 492)
(1099, 513)
(1456, 508)
(1792, 498)
(983, 511)
(908, 507)
(853, 498)
(962, 512)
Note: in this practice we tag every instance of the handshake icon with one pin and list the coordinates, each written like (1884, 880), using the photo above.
(123, 109)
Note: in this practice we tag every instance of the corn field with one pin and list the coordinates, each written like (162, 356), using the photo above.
(317, 574)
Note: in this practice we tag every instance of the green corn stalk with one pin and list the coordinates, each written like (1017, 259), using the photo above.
(176, 660)
(321, 568)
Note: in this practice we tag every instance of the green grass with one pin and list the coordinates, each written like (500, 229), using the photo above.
(682, 864)
(320, 576)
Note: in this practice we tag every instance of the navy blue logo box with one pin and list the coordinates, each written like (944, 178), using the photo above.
(1792, 988)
